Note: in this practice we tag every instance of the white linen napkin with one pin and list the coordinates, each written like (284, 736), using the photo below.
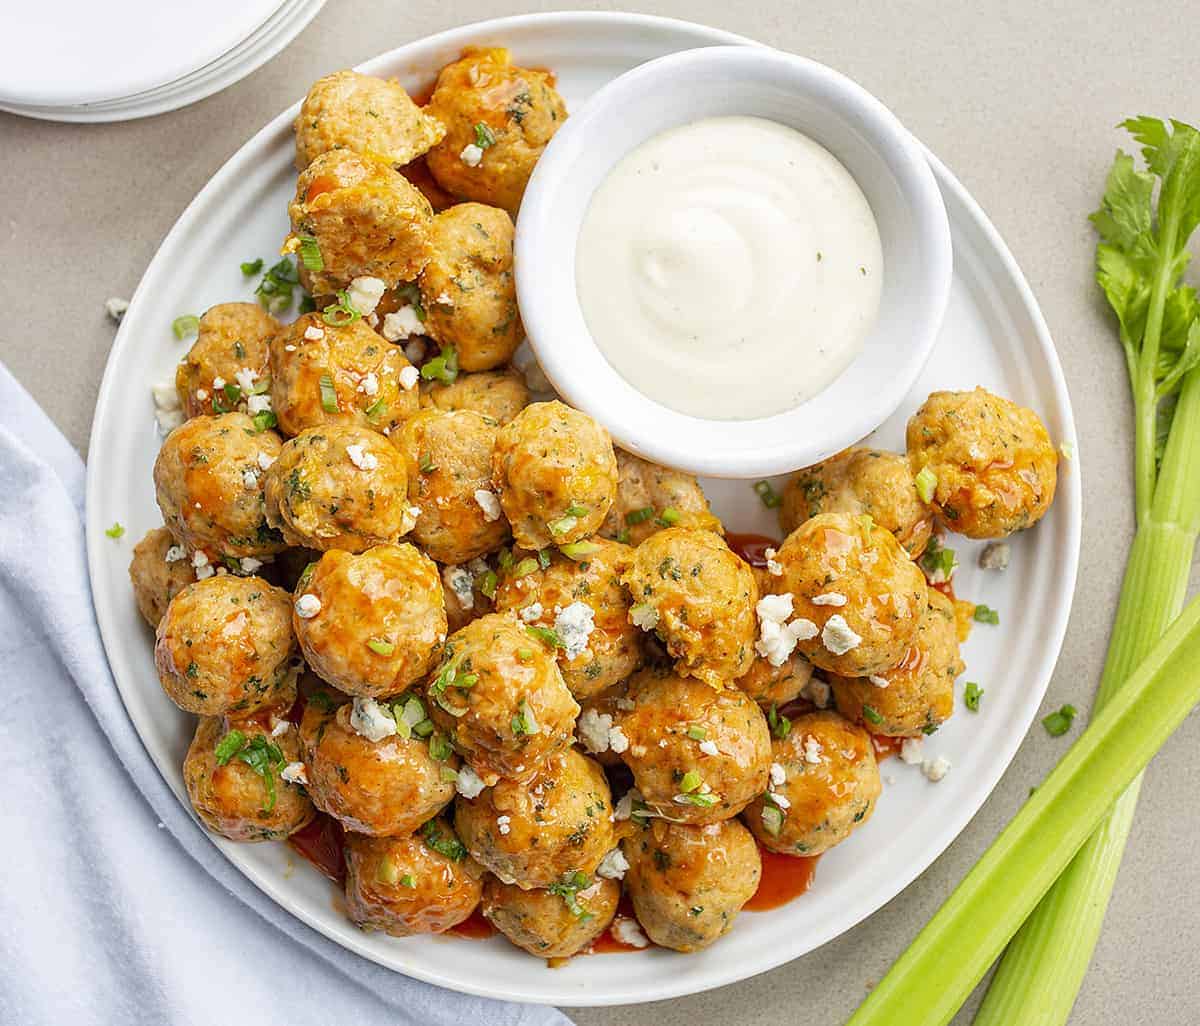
(114, 907)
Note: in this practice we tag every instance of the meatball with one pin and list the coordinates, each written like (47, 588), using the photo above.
(556, 474)
(499, 395)
(825, 773)
(159, 570)
(688, 883)
(917, 696)
(698, 754)
(650, 497)
(699, 598)
(371, 624)
(325, 374)
(538, 833)
(355, 216)
(384, 787)
(467, 288)
(448, 456)
(498, 119)
(855, 594)
(227, 363)
(500, 698)
(338, 486)
(364, 114)
(208, 482)
(233, 773)
(582, 601)
(856, 481)
(552, 924)
(225, 645)
(416, 883)
(772, 685)
(989, 463)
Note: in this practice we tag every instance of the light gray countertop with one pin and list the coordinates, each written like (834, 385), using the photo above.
(1019, 99)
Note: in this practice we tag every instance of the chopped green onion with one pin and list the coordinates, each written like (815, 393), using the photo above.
(972, 696)
(703, 801)
(524, 723)
(524, 654)
(562, 525)
(1059, 722)
(926, 482)
(568, 889)
(780, 725)
(985, 614)
(387, 872)
(261, 755)
(251, 267)
(691, 782)
(545, 635)
(526, 567)
(938, 562)
(264, 420)
(484, 136)
(329, 399)
(871, 716)
(440, 748)
(639, 516)
(448, 846)
(307, 303)
(772, 818)
(623, 536)
(575, 510)
(376, 408)
(487, 584)
(341, 313)
(543, 558)
(448, 774)
(579, 550)
(229, 746)
(186, 325)
(669, 517)
(278, 286)
(697, 733)
(310, 253)
(381, 646)
(116, 531)
(425, 464)
(424, 728)
(407, 880)
(410, 292)
(505, 559)
(770, 498)
(306, 575)
(443, 368)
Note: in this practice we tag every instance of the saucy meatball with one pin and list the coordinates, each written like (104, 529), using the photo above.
(856, 481)
(227, 364)
(234, 775)
(537, 833)
(854, 590)
(355, 216)
(989, 463)
(699, 598)
(326, 374)
(556, 473)
(373, 623)
(448, 456)
(698, 754)
(551, 924)
(499, 395)
(500, 698)
(772, 685)
(225, 645)
(364, 114)
(650, 498)
(498, 119)
(687, 882)
(339, 486)
(415, 883)
(208, 483)
(827, 780)
(917, 696)
(582, 601)
(467, 288)
(159, 570)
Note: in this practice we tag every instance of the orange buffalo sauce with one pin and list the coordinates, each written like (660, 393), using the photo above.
(474, 927)
(784, 877)
(751, 547)
(322, 843)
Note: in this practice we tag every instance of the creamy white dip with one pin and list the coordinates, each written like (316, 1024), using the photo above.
(729, 268)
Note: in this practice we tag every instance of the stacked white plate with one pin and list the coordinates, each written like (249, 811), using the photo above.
(82, 61)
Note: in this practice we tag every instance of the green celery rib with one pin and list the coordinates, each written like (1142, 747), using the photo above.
(931, 980)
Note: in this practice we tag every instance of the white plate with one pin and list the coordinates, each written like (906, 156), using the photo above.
(993, 335)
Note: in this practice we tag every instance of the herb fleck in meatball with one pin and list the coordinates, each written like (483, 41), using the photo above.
(227, 364)
(159, 570)
(499, 395)
(552, 924)
(650, 498)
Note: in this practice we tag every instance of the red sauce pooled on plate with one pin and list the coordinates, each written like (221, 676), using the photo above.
(475, 927)
(784, 877)
(606, 943)
(885, 747)
(321, 843)
(751, 547)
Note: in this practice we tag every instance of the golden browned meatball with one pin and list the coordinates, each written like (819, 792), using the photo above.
(498, 119)
(354, 216)
(775, 685)
(917, 696)
(338, 486)
(373, 623)
(556, 474)
(535, 834)
(467, 288)
(989, 463)
(369, 768)
(324, 374)
(364, 114)
(500, 698)
(860, 480)
(227, 363)
(855, 594)
(225, 645)
(699, 598)
(499, 395)
(650, 498)
(552, 924)
(824, 783)
(159, 570)
(245, 779)
(697, 754)
(448, 456)
(208, 482)
(416, 883)
(581, 600)
(688, 883)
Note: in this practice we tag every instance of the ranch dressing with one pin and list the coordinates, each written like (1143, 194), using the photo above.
(729, 268)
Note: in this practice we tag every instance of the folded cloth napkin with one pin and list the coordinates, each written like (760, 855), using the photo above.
(114, 906)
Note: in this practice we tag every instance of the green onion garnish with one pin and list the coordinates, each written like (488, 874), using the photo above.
(443, 368)
(258, 753)
(669, 517)
(1058, 723)
(277, 287)
(972, 696)
(639, 516)
(770, 498)
(448, 846)
(448, 774)
(697, 733)
(380, 646)
(439, 748)
(938, 562)
(524, 654)
(341, 313)
(780, 725)
(186, 325)
(252, 267)
(691, 782)
(985, 614)
(484, 137)
(307, 303)
(487, 585)
(310, 253)
(546, 636)
(115, 531)
(407, 880)
(926, 482)
(871, 716)
(229, 746)
(575, 510)
(543, 558)
(772, 817)
(524, 723)
(425, 464)
(264, 420)
(579, 550)
(386, 872)
(704, 801)
(329, 399)
(526, 567)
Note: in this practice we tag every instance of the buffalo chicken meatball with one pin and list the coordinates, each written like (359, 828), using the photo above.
(555, 923)
(988, 464)
(824, 783)
(373, 623)
(226, 368)
(650, 498)
(556, 473)
(499, 395)
(855, 594)
(688, 883)
(699, 598)
(159, 570)
(225, 645)
(498, 119)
